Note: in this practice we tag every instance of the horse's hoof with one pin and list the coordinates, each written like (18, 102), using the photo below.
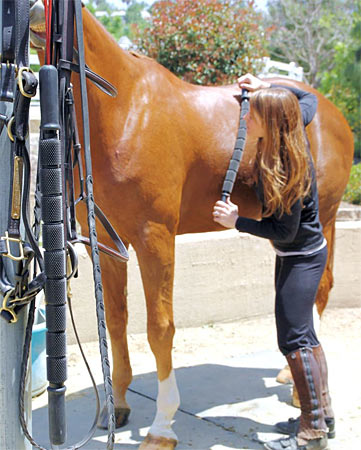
(284, 376)
(157, 442)
(121, 417)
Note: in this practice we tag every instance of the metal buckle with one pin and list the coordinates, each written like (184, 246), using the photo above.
(10, 132)
(9, 125)
(8, 254)
(20, 81)
(8, 309)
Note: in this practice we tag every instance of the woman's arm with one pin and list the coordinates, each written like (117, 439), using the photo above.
(283, 229)
(307, 101)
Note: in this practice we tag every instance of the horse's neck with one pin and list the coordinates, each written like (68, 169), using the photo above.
(103, 55)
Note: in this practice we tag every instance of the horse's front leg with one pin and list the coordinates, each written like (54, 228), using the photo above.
(114, 277)
(155, 253)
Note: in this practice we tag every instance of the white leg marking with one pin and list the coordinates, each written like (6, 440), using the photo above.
(316, 320)
(167, 404)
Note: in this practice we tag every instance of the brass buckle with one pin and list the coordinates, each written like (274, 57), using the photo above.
(20, 81)
(8, 254)
(10, 133)
(6, 308)
(9, 125)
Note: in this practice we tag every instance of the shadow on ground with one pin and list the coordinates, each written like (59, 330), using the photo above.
(220, 406)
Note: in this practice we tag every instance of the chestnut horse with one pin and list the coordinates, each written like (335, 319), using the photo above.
(160, 152)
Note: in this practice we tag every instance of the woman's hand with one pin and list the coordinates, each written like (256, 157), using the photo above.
(225, 213)
(252, 83)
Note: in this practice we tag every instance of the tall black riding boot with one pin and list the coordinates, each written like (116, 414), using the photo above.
(312, 429)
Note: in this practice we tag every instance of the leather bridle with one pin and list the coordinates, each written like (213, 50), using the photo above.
(55, 199)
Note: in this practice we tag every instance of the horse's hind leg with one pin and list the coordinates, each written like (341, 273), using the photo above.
(114, 276)
(155, 253)
(326, 283)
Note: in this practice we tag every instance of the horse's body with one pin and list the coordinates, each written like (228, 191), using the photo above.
(160, 152)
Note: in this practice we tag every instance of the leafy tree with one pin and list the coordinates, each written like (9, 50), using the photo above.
(115, 25)
(133, 18)
(205, 42)
(119, 25)
(308, 31)
(323, 36)
(353, 189)
(342, 84)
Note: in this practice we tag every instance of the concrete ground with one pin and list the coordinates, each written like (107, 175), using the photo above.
(226, 377)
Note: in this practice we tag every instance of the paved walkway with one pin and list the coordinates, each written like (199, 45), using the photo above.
(226, 377)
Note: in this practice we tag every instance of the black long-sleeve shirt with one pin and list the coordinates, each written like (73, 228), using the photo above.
(300, 231)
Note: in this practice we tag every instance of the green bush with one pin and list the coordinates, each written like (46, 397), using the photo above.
(207, 41)
(353, 189)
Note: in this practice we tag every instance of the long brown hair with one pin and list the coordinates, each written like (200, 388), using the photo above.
(282, 161)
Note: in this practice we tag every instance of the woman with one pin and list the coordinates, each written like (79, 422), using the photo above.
(286, 187)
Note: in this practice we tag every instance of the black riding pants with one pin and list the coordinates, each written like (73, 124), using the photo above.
(297, 279)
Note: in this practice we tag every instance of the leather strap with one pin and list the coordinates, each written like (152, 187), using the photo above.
(22, 33)
(92, 229)
(19, 129)
(15, 52)
(8, 31)
(122, 253)
(7, 84)
(15, 296)
(99, 81)
(17, 18)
